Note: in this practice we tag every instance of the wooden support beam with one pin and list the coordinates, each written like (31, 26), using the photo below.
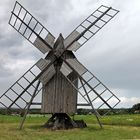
(28, 107)
(95, 112)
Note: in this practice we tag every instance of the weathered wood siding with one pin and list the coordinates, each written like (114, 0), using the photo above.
(58, 95)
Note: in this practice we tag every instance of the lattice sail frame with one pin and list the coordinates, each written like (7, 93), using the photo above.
(31, 29)
(89, 27)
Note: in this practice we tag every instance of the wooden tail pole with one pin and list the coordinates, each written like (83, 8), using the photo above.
(28, 107)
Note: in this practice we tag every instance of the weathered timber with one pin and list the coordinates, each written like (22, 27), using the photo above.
(63, 121)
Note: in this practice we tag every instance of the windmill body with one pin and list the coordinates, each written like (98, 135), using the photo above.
(59, 78)
(58, 95)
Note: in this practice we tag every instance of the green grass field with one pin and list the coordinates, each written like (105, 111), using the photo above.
(116, 127)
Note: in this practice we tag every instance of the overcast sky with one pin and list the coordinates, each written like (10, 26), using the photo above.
(113, 55)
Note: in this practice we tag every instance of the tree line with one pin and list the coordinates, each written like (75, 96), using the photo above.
(81, 111)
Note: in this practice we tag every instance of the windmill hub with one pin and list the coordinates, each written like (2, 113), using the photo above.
(59, 52)
(62, 81)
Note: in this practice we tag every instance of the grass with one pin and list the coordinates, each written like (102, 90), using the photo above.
(131, 120)
(115, 128)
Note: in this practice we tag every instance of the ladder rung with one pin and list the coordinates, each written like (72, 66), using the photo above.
(109, 15)
(17, 17)
(100, 11)
(41, 29)
(88, 21)
(99, 19)
(96, 85)
(104, 6)
(87, 81)
(105, 14)
(97, 26)
(87, 30)
(93, 88)
(23, 88)
(94, 16)
(27, 26)
(13, 101)
(105, 101)
(33, 30)
(28, 81)
(17, 94)
(97, 96)
(85, 37)
(23, 20)
(3, 104)
(83, 26)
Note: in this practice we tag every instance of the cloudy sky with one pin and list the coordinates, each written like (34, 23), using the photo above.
(113, 55)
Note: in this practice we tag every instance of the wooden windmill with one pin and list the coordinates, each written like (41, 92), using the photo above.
(60, 78)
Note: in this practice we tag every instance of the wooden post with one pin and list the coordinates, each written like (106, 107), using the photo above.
(28, 107)
(95, 112)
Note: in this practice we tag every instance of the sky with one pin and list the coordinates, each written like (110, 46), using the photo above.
(112, 55)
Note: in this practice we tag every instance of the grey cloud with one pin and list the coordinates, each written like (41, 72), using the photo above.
(49, 13)
(4, 72)
(10, 39)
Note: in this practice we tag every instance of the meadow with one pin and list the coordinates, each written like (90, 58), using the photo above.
(115, 127)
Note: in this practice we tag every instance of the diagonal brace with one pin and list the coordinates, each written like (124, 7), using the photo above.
(28, 107)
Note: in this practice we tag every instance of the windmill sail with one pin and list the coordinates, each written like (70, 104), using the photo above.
(90, 86)
(19, 94)
(49, 73)
(29, 27)
(89, 27)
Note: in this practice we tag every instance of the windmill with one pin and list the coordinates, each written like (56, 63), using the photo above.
(59, 77)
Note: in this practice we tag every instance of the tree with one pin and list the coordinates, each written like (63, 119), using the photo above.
(136, 107)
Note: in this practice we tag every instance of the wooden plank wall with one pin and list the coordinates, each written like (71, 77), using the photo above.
(58, 95)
